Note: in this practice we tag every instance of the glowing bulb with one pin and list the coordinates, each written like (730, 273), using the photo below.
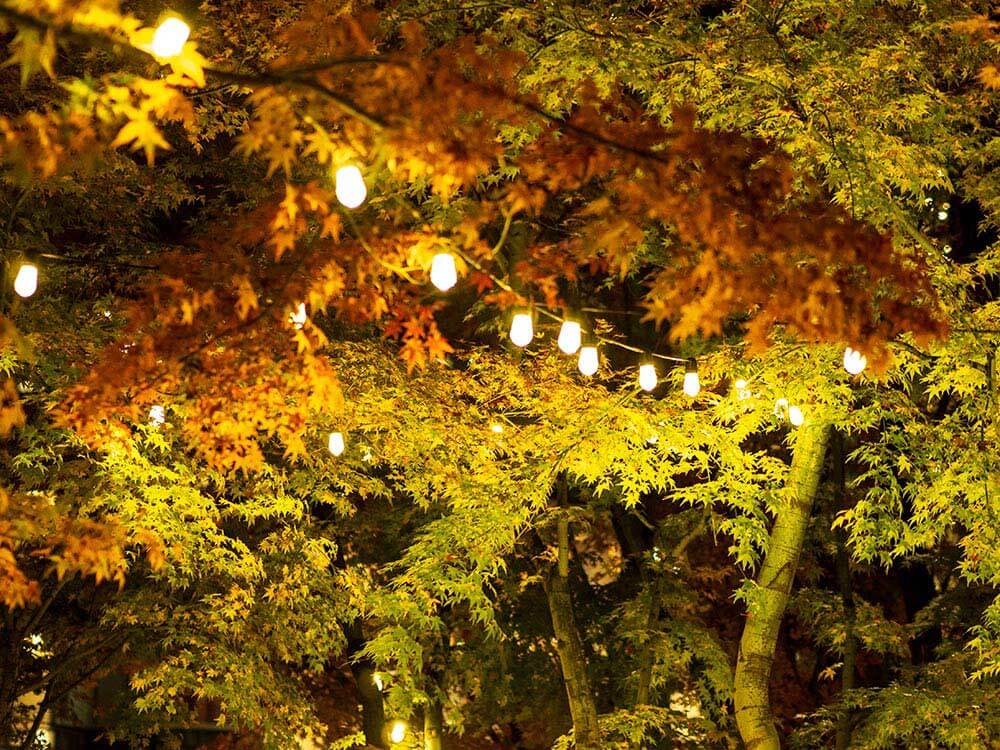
(521, 330)
(589, 361)
(781, 408)
(157, 415)
(795, 416)
(444, 275)
(692, 386)
(398, 732)
(350, 186)
(336, 443)
(169, 37)
(742, 392)
(496, 427)
(570, 337)
(942, 215)
(298, 317)
(26, 281)
(854, 361)
(647, 376)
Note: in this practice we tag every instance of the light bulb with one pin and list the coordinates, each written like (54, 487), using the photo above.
(942, 215)
(521, 330)
(570, 337)
(298, 317)
(795, 416)
(350, 186)
(398, 732)
(589, 361)
(647, 376)
(781, 408)
(742, 392)
(854, 361)
(692, 386)
(497, 428)
(336, 443)
(169, 37)
(157, 415)
(26, 281)
(444, 275)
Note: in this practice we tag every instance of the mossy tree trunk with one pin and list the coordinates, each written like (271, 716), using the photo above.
(372, 707)
(433, 726)
(573, 660)
(774, 583)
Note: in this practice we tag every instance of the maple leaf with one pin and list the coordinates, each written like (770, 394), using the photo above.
(143, 134)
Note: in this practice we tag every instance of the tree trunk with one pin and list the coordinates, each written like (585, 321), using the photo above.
(774, 582)
(572, 659)
(433, 726)
(372, 709)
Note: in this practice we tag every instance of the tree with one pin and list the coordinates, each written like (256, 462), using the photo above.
(753, 178)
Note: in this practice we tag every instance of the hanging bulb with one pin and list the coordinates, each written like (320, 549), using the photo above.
(398, 732)
(157, 415)
(742, 392)
(26, 281)
(444, 275)
(647, 376)
(795, 416)
(570, 337)
(497, 428)
(169, 37)
(854, 361)
(692, 386)
(336, 443)
(298, 317)
(521, 329)
(589, 361)
(350, 186)
(781, 408)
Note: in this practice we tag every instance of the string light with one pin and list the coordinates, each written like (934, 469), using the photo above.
(781, 408)
(692, 386)
(795, 416)
(521, 329)
(335, 443)
(157, 415)
(497, 428)
(589, 360)
(170, 37)
(647, 376)
(298, 316)
(444, 275)
(570, 337)
(350, 186)
(26, 281)
(398, 732)
(742, 392)
(854, 361)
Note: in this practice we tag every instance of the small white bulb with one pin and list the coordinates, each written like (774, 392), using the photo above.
(497, 428)
(398, 732)
(781, 408)
(157, 415)
(570, 337)
(444, 275)
(589, 361)
(298, 316)
(336, 443)
(692, 385)
(795, 416)
(647, 376)
(169, 37)
(521, 329)
(854, 361)
(350, 186)
(742, 392)
(26, 281)
(942, 215)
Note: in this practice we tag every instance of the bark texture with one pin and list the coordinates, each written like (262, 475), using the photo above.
(372, 708)
(573, 660)
(760, 633)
